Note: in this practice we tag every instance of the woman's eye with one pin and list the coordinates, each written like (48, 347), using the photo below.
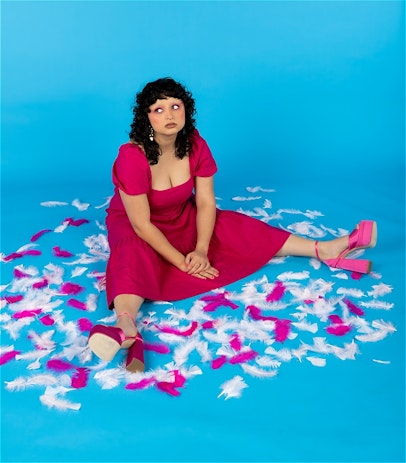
(158, 110)
(176, 106)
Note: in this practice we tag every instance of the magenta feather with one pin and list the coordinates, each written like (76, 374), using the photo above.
(157, 347)
(19, 274)
(75, 223)
(217, 300)
(335, 319)
(218, 362)
(187, 332)
(144, 383)
(85, 324)
(13, 299)
(169, 388)
(8, 356)
(243, 357)
(277, 292)
(47, 320)
(339, 330)
(39, 234)
(235, 342)
(76, 304)
(353, 308)
(356, 275)
(59, 365)
(58, 252)
(256, 314)
(71, 288)
(208, 325)
(282, 330)
(18, 255)
(80, 378)
(41, 284)
(26, 313)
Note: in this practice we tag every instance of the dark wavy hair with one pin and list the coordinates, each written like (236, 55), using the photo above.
(140, 127)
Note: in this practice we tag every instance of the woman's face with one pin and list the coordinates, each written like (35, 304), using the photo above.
(167, 116)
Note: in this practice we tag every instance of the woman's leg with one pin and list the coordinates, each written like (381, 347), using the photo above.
(298, 246)
(126, 307)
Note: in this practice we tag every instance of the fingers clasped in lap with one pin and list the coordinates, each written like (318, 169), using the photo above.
(198, 265)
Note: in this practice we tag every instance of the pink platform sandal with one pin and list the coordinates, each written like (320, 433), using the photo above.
(135, 357)
(362, 237)
(106, 341)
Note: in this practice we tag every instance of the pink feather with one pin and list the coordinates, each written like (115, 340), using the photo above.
(47, 320)
(187, 332)
(353, 308)
(8, 356)
(71, 288)
(80, 378)
(339, 330)
(256, 314)
(235, 342)
(40, 284)
(169, 388)
(18, 255)
(59, 365)
(26, 313)
(336, 319)
(356, 275)
(58, 252)
(85, 324)
(218, 362)
(144, 383)
(39, 234)
(208, 325)
(156, 347)
(282, 330)
(13, 299)
(277, 292)
(243, 357)
(75, 223)
(179, 380)
(217, 300)
(76, 304)
(19, 274)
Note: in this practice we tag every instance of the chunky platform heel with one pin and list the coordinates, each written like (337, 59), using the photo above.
(362, 237)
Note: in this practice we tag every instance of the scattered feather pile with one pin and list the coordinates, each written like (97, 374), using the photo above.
(282, 316)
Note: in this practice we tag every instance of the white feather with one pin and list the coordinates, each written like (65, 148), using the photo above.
(379, 305)
(53, 401)
(233, 388)
(246, 198)
(380, 290)
(53, 203)
(80, 206)
(317, 361)
(258, 372)
(78, 271)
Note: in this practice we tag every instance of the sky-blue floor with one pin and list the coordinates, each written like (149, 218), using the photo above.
(315, 396)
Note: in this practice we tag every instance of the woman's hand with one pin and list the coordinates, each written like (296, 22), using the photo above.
(198, 265)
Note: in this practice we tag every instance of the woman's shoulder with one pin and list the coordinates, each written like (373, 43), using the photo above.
(131, 149)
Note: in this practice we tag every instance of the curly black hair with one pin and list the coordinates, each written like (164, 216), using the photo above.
(140, 127)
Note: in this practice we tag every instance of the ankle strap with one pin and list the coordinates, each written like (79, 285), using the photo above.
(125, 313)
(316, 248)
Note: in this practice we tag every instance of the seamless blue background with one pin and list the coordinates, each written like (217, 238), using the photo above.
(305, 97)
(303, 89)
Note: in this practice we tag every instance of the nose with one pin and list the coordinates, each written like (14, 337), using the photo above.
(169, 114)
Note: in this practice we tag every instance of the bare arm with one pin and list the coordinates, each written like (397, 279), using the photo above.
(197, 261)
(138, 211)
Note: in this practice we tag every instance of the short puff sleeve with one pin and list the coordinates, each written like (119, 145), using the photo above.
(131, 171)
(202, 163)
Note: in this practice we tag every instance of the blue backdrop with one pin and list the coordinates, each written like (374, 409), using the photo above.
(303, 89)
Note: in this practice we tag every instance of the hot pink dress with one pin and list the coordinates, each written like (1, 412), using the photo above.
(240, 244)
